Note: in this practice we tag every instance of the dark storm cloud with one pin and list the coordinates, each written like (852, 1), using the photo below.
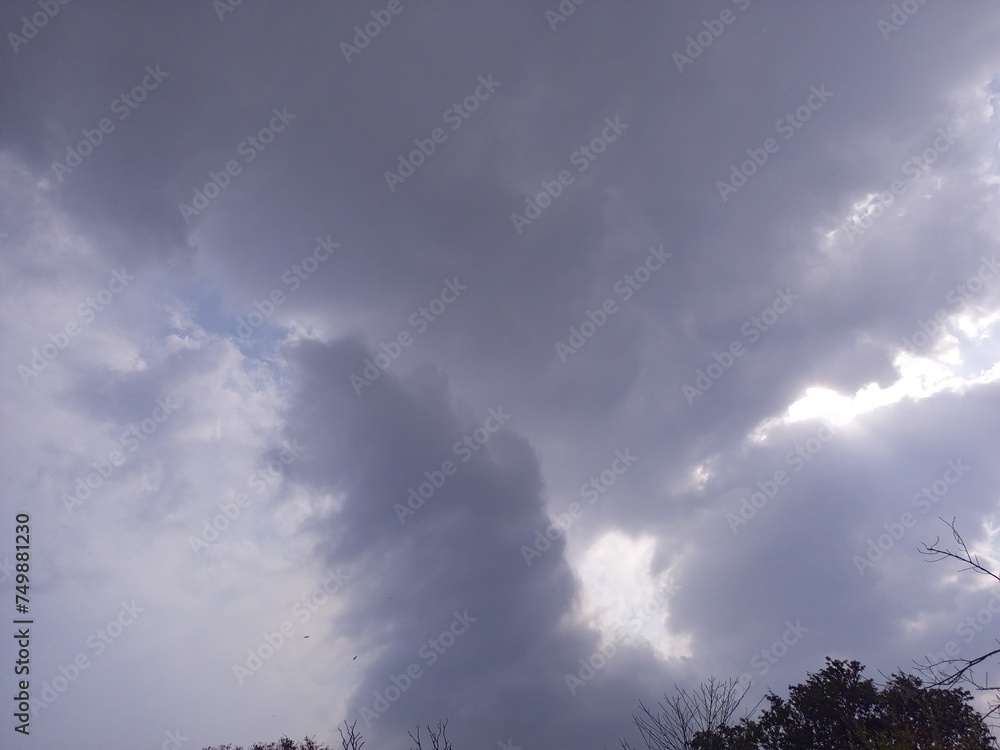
(457, 551)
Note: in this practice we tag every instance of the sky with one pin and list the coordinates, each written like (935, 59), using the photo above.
(504, 363)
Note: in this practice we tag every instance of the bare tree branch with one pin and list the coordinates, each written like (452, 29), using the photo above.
(352, 741)
(439, 737)
(936, 553)
(952, 672)
(710, 707)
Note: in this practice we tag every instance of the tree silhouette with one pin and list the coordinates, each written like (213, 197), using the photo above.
(840, 709)
(350, 739)
(283, 744)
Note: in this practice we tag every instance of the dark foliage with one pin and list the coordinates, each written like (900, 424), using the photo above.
(839, 709)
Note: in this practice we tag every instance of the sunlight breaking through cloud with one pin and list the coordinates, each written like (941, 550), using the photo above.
(622, 599)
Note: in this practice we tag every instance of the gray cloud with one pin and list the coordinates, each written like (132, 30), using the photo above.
(871, 223)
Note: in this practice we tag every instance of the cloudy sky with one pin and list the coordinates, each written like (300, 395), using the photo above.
(540, 356)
